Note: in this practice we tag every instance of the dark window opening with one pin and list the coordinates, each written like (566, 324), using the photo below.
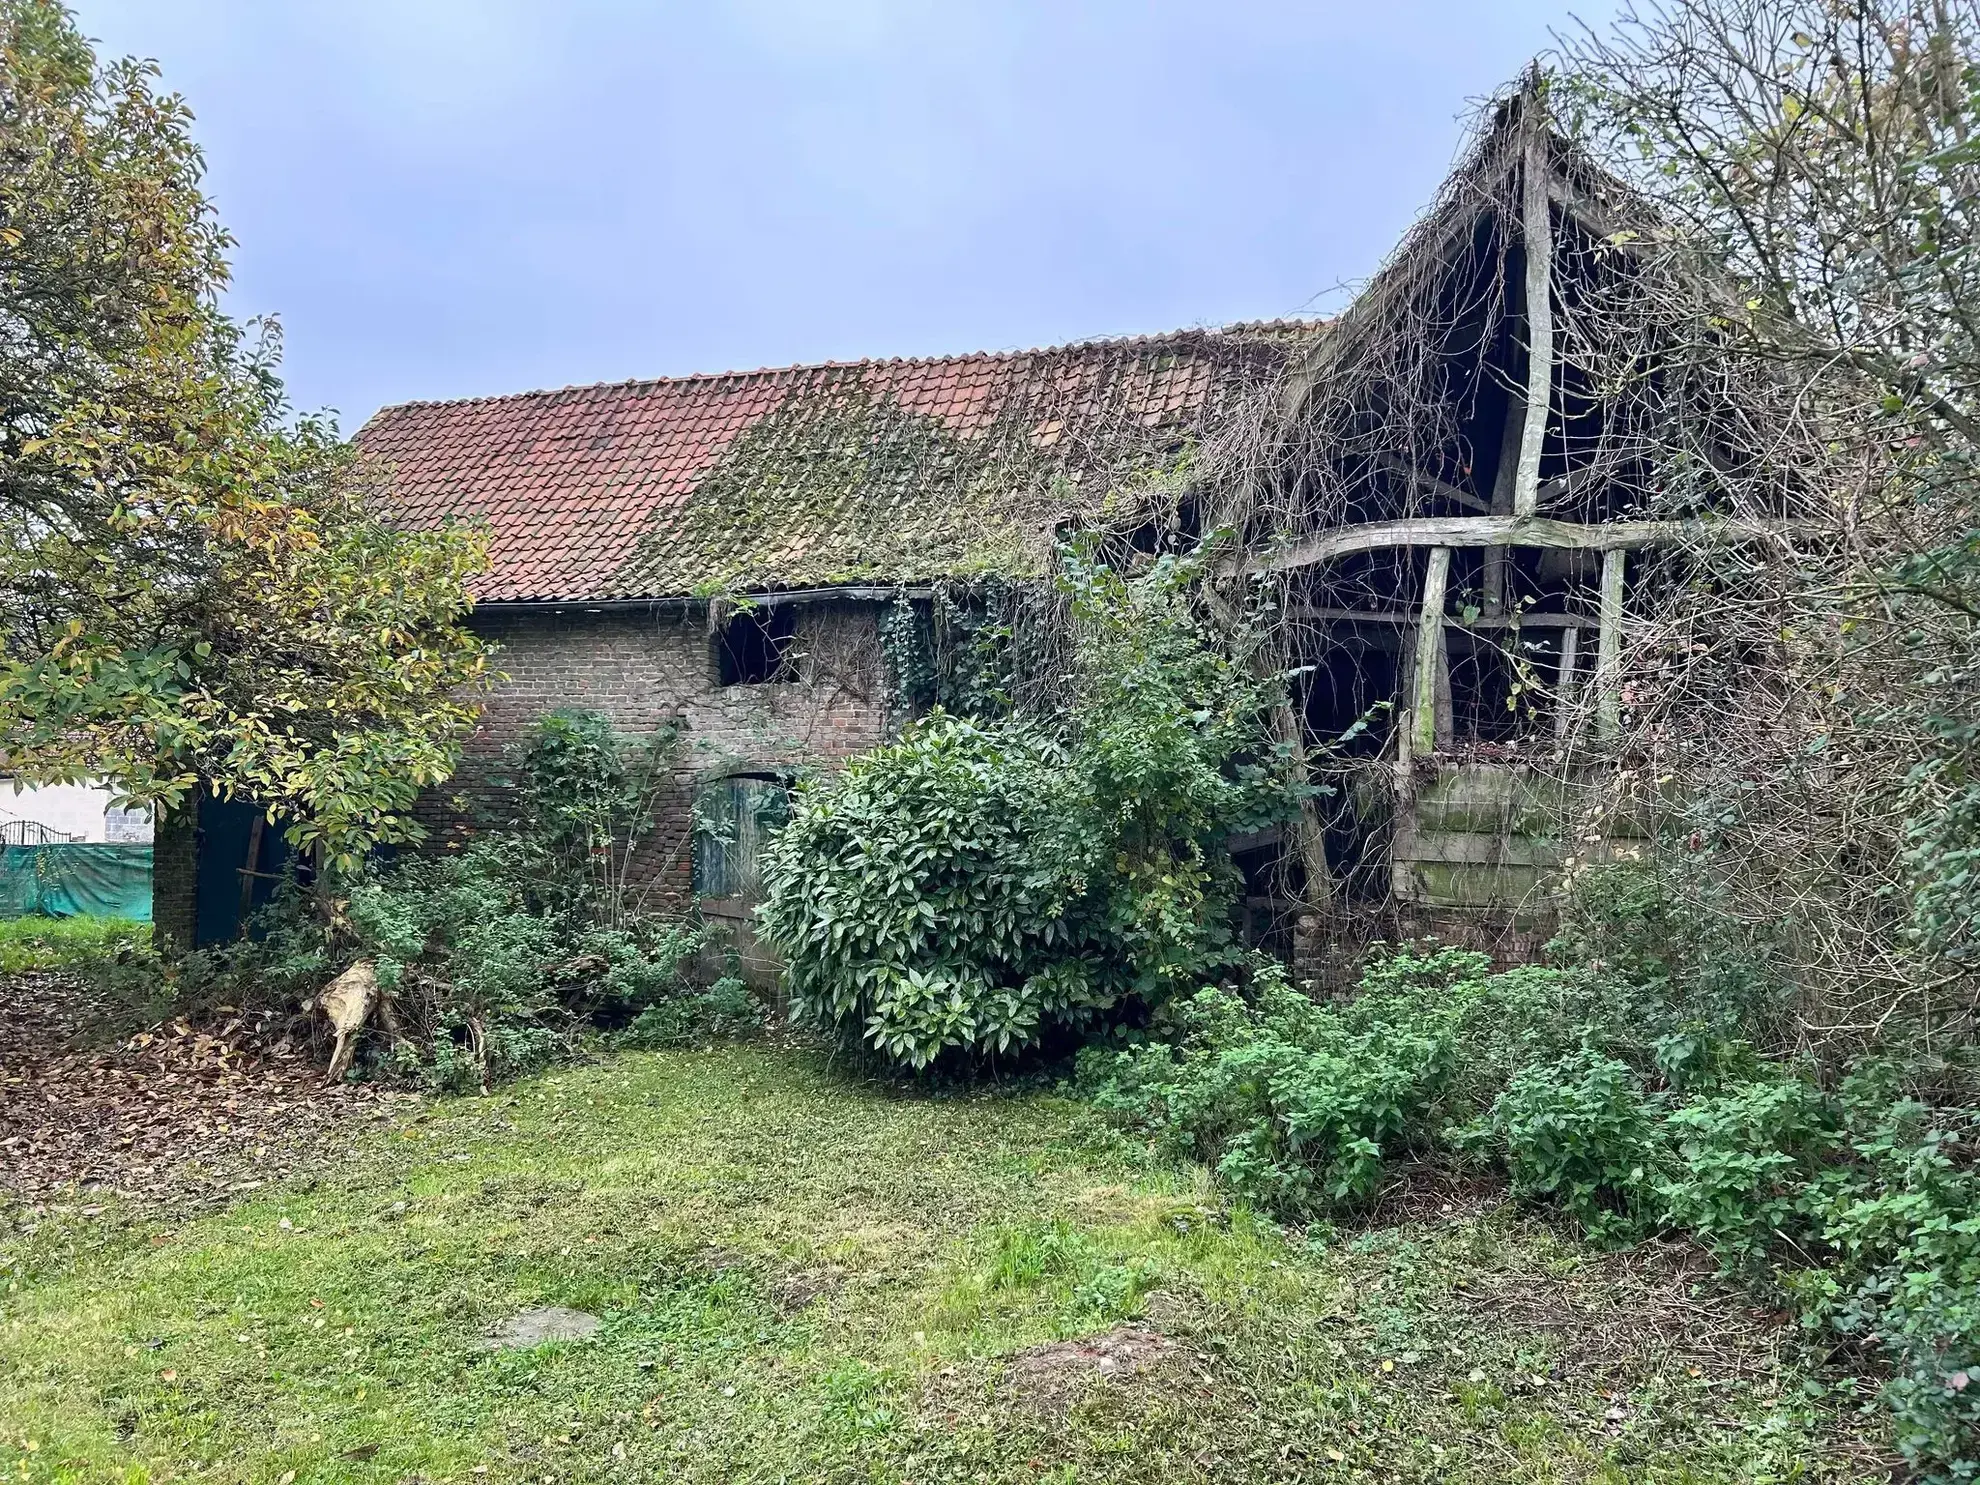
(755, 647)
(1348, 690)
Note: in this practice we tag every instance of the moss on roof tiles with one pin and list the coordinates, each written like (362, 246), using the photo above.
(869, 472)
(846, 485)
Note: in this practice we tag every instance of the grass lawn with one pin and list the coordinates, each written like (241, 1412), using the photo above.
(803, 1279)
(55, 943)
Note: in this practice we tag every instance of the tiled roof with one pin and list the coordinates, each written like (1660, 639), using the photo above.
(869, 471)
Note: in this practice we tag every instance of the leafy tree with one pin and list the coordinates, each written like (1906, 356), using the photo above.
(193, 584)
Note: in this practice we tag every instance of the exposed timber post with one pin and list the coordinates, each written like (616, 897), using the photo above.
(1446, 709)
(1502, 495)
(1429, 654)
(1309, 831)
(1608, 649)
(1564, 681)
(1538, 230)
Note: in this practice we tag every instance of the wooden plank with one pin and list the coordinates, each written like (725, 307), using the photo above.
(1429, 653)
(1538, 229)
(1513, 531)
(1478, 848)
(250, 869)
(1483, 621)
(1564, 680)
(1608, 648)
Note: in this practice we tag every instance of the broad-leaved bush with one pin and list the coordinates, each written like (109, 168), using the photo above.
(980, 883)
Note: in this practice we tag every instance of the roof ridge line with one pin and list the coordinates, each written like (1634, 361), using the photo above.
(1281, 323)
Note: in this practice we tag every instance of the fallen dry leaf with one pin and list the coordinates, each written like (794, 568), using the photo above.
(177, 1114)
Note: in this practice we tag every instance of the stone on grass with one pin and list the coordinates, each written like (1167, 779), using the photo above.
(540, 1327)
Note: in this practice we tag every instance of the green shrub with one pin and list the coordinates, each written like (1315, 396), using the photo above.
(1747, 1160)
(910, 896)
(726, 1008)
(501, 956)
(1296, 1104)
(1901, 1228)
(1582, 1133)
(978, 884)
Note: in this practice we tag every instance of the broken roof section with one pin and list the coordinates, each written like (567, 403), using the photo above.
(870, 472)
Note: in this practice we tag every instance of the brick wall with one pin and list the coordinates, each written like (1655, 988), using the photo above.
(644, 668)
(175, 876)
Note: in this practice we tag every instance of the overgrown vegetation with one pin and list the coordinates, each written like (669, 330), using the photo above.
(983, 883)
(1630, 1086)
(494, 958)
(1808, 234)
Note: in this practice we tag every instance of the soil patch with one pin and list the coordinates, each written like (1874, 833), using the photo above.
(540, 1327)
(1051, 1377)
(794, 1291)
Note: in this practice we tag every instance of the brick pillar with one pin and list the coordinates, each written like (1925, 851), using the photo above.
(175, 877)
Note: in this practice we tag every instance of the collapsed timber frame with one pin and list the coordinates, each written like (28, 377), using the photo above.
(1452, 505)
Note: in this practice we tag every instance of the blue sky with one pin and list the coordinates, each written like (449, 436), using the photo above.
(448, 198)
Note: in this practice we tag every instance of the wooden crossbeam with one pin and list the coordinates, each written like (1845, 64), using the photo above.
(1430, 484)
(1512, 531)
(1483, 621)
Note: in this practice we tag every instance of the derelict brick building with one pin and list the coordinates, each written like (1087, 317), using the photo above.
(1455, 495)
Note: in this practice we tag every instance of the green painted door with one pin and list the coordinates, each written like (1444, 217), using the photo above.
(733, 819)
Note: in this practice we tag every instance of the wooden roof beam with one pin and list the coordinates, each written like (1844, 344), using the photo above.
(1512, 531)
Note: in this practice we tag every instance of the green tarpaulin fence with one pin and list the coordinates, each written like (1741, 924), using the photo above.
(113, 881)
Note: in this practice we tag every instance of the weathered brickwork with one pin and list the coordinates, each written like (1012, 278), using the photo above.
(174, 875)
(645, 667)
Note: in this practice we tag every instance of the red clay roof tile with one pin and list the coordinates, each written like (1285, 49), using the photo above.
(867, 471)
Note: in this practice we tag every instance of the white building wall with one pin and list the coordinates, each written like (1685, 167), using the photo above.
(76, 810)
